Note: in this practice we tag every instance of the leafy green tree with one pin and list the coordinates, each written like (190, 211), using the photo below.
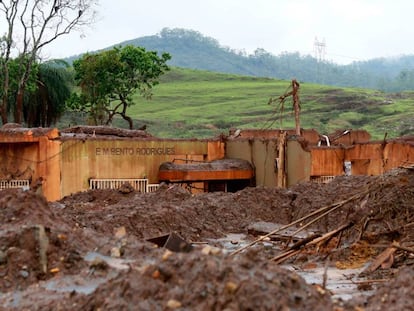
(9, 95)
(32, 25)
(109, 79)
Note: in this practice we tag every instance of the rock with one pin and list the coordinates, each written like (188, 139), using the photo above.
(120, 232)
(231, 287)
(24, 274)
(115, 252)
(173, 304)
(209, 250)
(167, 254)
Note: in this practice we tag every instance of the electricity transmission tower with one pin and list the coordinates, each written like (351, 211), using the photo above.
(319, 49)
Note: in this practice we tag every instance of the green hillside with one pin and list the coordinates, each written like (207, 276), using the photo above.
(191, 49)
(199, 104)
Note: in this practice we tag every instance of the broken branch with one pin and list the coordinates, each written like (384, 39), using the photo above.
(320, 210)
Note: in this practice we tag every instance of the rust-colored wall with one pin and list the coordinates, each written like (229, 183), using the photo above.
(32, 154)
(215, 150)
(18, 160)
(48, 168)
(366, 159)
(327, 161)
(398, 154)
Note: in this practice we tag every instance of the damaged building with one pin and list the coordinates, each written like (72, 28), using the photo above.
(61, 162)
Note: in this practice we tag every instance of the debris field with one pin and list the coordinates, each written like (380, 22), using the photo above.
(93, 250)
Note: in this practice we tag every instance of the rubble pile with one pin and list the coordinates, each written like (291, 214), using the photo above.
(90, 250)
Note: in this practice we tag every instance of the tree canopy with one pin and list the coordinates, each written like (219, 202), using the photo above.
(32, 25)
(190, 49)
(108, 79)
(46, 103)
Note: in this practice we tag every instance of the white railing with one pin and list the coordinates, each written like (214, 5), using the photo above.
(152, 187)
(322, 179)
(139, 184)
(14, 183)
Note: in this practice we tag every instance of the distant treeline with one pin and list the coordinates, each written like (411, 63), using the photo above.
(190, 49)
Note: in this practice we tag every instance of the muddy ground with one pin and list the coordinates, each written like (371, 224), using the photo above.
(89, 251)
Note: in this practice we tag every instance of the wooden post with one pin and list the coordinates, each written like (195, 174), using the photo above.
(280, 160)
(296, 105)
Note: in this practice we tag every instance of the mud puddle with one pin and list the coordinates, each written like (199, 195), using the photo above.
(342, 284)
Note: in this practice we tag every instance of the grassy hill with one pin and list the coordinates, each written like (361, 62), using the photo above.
(191, 49)
(197, 104)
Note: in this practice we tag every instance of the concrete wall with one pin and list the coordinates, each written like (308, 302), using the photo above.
(82, 160)
(64, 165)
(260, 153)
(298, 163)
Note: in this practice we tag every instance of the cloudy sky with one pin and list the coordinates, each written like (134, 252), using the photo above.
(351, 29)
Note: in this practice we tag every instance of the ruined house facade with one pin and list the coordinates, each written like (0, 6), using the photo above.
(59, 163)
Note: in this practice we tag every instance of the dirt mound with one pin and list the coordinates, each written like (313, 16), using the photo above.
(379, 208)
(398, 294)
(357, 217)
(37, 240)
(172, 208)
(19, 208)
(207, 282)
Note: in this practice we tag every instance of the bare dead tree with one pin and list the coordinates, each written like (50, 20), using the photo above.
(293, 91)
(40, 23)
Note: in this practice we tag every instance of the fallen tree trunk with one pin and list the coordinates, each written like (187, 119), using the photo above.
(106, 130)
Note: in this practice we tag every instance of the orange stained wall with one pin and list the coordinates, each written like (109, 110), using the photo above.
(352, 138)
(49, 168)
(32, 154)
(327, 161)
(398, 154)
(18, 160)
(366, 159)
(82, 160)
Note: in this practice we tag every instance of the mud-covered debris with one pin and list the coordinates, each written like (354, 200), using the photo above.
(89, 225)
(126, 188)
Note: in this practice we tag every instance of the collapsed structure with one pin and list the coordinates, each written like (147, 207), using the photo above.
(59, 163)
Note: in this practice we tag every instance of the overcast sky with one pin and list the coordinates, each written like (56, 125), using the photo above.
(351, 29)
